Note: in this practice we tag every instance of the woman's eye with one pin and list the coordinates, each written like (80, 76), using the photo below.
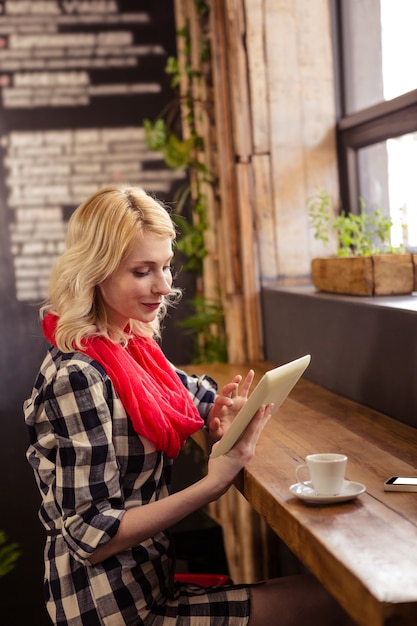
(141, 274)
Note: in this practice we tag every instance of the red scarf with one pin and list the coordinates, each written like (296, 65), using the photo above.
(152, 394)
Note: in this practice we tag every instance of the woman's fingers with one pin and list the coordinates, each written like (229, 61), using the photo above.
(246, 445)
(231, 390)
(258, 423)
(244, 389)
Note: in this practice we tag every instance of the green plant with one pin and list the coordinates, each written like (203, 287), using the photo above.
(363, 234)
(210, 346)
(183, 154)
(9, 553)
(165, 135)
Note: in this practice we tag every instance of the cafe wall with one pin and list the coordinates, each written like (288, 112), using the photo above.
(77, 78)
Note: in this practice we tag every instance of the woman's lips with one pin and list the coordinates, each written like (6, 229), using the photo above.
(152, 306)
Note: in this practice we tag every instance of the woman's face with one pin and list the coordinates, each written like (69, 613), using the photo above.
(136, 289)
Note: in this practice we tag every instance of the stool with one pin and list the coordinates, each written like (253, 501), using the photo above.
(204, 580)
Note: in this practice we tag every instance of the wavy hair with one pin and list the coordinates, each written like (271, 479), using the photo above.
(99, 235)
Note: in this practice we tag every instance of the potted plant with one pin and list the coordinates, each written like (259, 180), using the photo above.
(365, 263)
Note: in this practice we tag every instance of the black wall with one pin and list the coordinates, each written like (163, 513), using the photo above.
(42, 178)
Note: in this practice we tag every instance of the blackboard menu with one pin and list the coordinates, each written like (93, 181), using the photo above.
(77, 78)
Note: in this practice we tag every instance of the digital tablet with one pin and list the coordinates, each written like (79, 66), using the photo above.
(273, 387)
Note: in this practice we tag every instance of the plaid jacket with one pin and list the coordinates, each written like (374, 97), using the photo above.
(90, 466)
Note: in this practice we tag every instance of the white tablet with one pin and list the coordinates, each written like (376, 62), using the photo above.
(274, 387)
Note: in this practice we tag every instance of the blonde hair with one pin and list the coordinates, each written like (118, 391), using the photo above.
(99, 235)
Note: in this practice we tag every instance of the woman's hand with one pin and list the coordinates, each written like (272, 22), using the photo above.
(228, 404)
(223, 469)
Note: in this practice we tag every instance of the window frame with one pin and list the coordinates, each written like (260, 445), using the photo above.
(384, 120)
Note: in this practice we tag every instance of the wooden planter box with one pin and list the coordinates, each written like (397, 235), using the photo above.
(379, 275)
(415, 271)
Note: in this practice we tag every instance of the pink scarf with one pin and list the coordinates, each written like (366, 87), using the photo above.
(152, 394)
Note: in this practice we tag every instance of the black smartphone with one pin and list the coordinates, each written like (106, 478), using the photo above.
(401, 483)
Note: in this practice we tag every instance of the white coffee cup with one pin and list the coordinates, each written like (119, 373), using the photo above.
(326, 473)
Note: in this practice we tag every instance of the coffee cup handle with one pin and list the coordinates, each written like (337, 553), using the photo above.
(300, 469)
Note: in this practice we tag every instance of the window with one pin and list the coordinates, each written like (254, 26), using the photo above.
(375, 52)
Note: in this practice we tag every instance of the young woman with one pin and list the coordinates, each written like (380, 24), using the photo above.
(107, 416)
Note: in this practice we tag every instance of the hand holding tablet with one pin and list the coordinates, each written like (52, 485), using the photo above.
(273, 387)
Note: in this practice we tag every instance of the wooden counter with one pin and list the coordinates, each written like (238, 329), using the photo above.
(363, 551)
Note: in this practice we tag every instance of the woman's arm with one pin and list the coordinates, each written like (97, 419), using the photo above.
(141, 522)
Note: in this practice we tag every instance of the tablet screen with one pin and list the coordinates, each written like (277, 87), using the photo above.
(274, 387)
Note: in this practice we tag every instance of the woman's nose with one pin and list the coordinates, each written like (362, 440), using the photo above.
(162, 283)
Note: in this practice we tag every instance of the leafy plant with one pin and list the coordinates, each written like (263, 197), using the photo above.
(183, 154)
(177, 153)
(191, 244)
(9, 553)
(209, 346)
(164, 135)
(363, 234)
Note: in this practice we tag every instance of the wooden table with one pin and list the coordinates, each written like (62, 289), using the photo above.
(363, 551)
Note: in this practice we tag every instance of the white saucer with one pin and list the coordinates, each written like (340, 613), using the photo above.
(350, 490)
